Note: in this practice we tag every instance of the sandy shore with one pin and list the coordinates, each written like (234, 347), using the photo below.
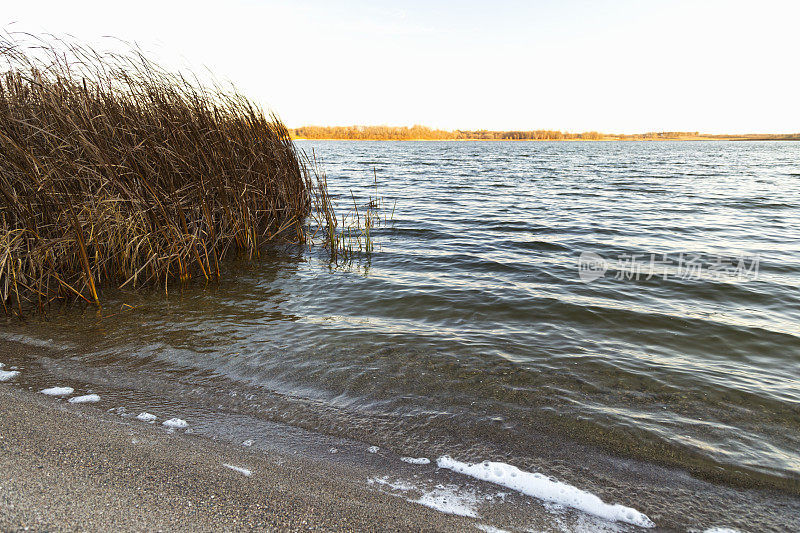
(68, 468)
(92, 467)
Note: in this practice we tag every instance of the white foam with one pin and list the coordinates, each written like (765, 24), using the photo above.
(490, 529)
(6, 375)
(175, 423)
(581, 522)
(373, 449)
(242, 471)
(721, 530)
(248, 442)
(396, 485)
(86, 398)
(448, 500)
(58, 391)
(444, 498)
(416, 460)
(147, 417)
(542, 487)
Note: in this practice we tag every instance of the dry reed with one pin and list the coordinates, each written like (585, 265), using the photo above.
(114, 171)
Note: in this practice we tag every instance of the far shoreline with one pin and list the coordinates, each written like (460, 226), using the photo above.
(610, 139)
(423, 133)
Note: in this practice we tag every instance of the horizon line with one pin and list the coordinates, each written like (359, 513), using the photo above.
(386, 132)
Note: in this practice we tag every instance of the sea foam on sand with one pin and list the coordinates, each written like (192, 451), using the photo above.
(242, 471)
(542, 487)
(175, 423)
(6, 375)
(58, 391)
(146, 417)
(86, 398)
(490, 529)
(416, 460)
(448, 499)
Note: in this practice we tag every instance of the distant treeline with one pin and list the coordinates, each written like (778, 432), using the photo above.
(404, 133)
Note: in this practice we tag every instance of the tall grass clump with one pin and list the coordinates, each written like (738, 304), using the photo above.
(115, 172)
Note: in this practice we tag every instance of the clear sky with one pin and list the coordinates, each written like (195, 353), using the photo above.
(613, 66)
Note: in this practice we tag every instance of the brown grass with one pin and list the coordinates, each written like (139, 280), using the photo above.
(113, 171)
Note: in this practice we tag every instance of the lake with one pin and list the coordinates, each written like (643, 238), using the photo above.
(537, 303)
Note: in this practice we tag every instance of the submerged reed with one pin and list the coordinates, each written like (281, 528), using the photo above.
(347, 231)
(114, 171)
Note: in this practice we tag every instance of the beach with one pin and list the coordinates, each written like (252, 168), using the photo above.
(69, 468)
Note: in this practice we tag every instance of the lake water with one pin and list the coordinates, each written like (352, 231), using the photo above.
(473, 331)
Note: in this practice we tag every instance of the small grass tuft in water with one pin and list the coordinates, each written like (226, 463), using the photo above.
(114, 171)
(350, 234)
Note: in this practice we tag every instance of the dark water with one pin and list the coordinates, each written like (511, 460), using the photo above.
(470, 331)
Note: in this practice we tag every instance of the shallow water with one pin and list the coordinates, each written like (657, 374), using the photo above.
(470, 330)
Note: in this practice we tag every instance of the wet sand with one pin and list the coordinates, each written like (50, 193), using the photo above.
(67, 468)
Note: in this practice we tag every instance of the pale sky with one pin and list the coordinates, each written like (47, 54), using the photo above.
(573, 65)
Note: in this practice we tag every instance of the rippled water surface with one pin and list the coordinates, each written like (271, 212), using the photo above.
(470, 329)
